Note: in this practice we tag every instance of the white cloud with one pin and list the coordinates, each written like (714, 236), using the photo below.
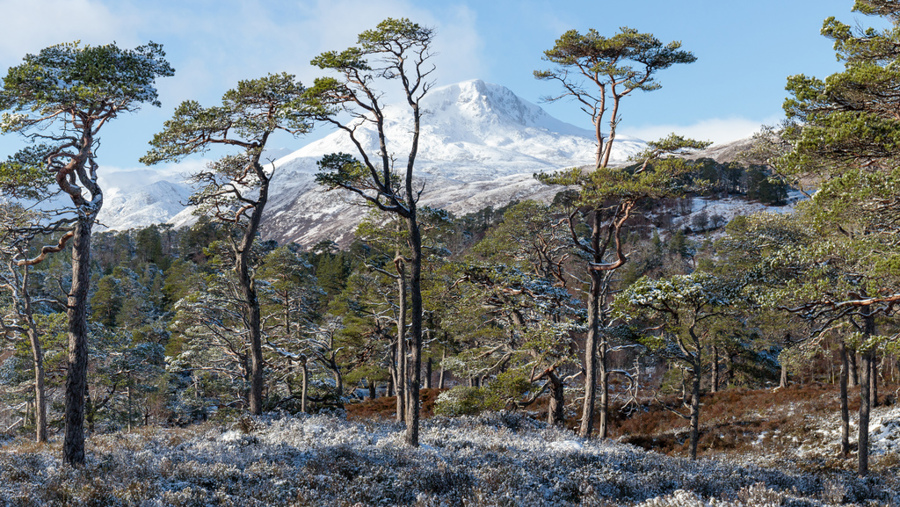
(717, 130)
(29, 26)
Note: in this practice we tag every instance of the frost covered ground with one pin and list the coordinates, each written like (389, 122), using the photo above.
(498, 459)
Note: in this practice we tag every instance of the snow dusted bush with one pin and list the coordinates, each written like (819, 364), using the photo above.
(493, 459)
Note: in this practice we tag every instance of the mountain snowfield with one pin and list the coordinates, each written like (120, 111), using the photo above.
(480, 145)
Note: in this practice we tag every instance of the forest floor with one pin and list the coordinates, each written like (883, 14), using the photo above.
(800, 420)
(779, 452)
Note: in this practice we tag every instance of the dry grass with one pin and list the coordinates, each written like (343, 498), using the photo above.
(386, 406)
(734, 421)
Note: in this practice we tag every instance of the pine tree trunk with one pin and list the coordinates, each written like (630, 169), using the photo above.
(428, 371)
(37, 357)
(256, 359)
(40, 401)
(556, 408)
(602, 363)
(714, 383)
(415, 285)
(854, 370)
(248, 290)
(695, 409)
(40, 404)
(371, 389)
(873, 379)
(591, 347)
(845, 405)
(76, 378)
(402, 371)
(864, 409)
(304, 386)
(441, 376)
(784, 375)
(865, 400)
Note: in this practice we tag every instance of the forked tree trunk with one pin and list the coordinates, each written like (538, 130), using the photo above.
(76, 378)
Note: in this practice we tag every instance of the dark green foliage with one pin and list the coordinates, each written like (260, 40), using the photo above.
(762, 187)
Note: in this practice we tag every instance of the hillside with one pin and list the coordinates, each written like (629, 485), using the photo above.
(480, 146)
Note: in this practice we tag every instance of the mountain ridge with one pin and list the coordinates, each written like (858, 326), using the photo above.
(480, 145)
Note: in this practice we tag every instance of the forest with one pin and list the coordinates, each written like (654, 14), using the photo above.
(612, 346)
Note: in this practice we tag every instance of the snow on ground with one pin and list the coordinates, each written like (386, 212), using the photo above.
(497, 459)
(884, 434)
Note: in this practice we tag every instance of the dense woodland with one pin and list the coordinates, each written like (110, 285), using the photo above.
(595, 308)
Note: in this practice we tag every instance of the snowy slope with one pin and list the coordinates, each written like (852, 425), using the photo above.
(480, 146)
(141, 197)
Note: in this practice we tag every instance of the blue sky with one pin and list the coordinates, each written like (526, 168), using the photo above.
(745, 51)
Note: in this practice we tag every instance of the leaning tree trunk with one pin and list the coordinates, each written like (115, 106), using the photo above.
(845, 405)
(76, 378)
(40, 401)
(248, 289)
(37, 356)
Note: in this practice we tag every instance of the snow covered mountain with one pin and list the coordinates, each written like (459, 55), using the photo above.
(141, 197)
(480, 145)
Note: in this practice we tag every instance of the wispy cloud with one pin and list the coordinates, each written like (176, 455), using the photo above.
(31, 26)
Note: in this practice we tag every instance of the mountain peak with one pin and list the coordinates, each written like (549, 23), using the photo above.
(480, 145)
(476, 100)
